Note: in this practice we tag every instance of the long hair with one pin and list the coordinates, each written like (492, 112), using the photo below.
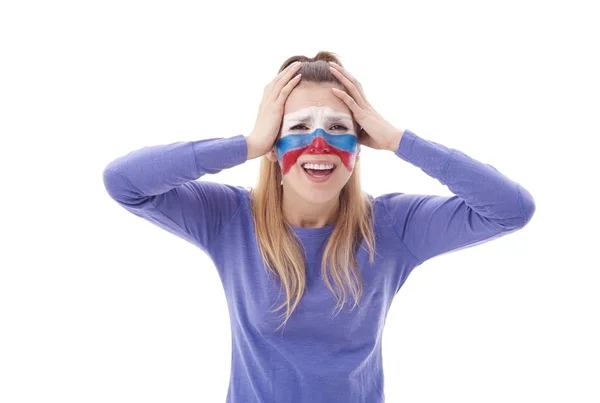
(278, 244)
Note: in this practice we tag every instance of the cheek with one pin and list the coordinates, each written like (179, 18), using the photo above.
(288, 159)
(345, 148)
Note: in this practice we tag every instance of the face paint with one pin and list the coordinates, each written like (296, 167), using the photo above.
(319, 142)
(290, 147)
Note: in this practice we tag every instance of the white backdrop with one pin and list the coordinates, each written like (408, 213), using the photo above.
(98, 305)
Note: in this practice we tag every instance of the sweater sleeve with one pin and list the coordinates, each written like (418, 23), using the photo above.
(158, 183)
(485, 205)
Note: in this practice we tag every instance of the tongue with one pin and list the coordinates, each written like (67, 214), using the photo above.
(319, 172)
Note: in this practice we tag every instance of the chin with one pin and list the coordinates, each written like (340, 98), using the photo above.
(319, 192)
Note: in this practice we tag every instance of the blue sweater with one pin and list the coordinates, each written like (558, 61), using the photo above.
(318, 357)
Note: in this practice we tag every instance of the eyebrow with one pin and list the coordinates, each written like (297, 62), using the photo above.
(329, 118)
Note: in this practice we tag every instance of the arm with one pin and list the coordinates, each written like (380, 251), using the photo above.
(486, 204)
(158, 183)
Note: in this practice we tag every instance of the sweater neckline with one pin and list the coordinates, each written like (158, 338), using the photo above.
(302, 231)
(313, 232)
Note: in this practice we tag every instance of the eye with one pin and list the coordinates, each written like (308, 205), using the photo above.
(297, 127)
(344, 128)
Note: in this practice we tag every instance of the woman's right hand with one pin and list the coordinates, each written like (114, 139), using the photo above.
(270, 113)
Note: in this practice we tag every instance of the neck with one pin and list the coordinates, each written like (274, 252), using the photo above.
(302, 213)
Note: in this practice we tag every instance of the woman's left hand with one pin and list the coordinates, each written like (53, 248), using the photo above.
(376, 132)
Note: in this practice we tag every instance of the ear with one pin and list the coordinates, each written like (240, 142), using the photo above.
(272, 155)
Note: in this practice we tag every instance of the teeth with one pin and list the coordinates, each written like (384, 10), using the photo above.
(318, 166)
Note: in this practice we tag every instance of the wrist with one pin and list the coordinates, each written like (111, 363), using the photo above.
(253, 150)
(395, 144)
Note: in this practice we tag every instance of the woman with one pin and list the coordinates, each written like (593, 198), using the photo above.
(309, 230)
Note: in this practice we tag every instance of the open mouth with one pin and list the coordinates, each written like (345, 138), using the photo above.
(319, 172)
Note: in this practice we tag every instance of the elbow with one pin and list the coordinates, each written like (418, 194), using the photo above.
(118, 187)
(527, 204)
(113, 183)
(520, 212)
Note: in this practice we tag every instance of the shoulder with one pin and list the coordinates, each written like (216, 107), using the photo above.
(398, 207)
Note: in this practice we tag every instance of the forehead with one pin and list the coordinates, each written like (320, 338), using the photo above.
(317, 114)
(319, 97)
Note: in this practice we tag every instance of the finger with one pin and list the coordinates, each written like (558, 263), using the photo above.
(283, 80)
(352, 86)
(350, 83)
(281, 74)
(346, 73)
(354, 107)
(285, 91)
(352, 89)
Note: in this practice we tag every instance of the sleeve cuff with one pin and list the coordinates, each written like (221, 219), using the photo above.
(433, 158)
(405, 148)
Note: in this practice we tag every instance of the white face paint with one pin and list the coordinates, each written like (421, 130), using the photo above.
(309, 119)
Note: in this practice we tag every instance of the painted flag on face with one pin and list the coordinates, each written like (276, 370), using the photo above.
(290, 147)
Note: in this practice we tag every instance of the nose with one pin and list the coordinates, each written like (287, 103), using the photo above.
(319, 146)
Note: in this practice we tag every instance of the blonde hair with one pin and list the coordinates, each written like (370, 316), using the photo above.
(279, 248)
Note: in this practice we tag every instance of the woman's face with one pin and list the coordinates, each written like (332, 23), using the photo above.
(317, 127)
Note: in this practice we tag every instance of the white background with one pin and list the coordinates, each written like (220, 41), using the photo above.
(98, 305)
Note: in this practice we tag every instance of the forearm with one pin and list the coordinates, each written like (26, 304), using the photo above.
(156, 169)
